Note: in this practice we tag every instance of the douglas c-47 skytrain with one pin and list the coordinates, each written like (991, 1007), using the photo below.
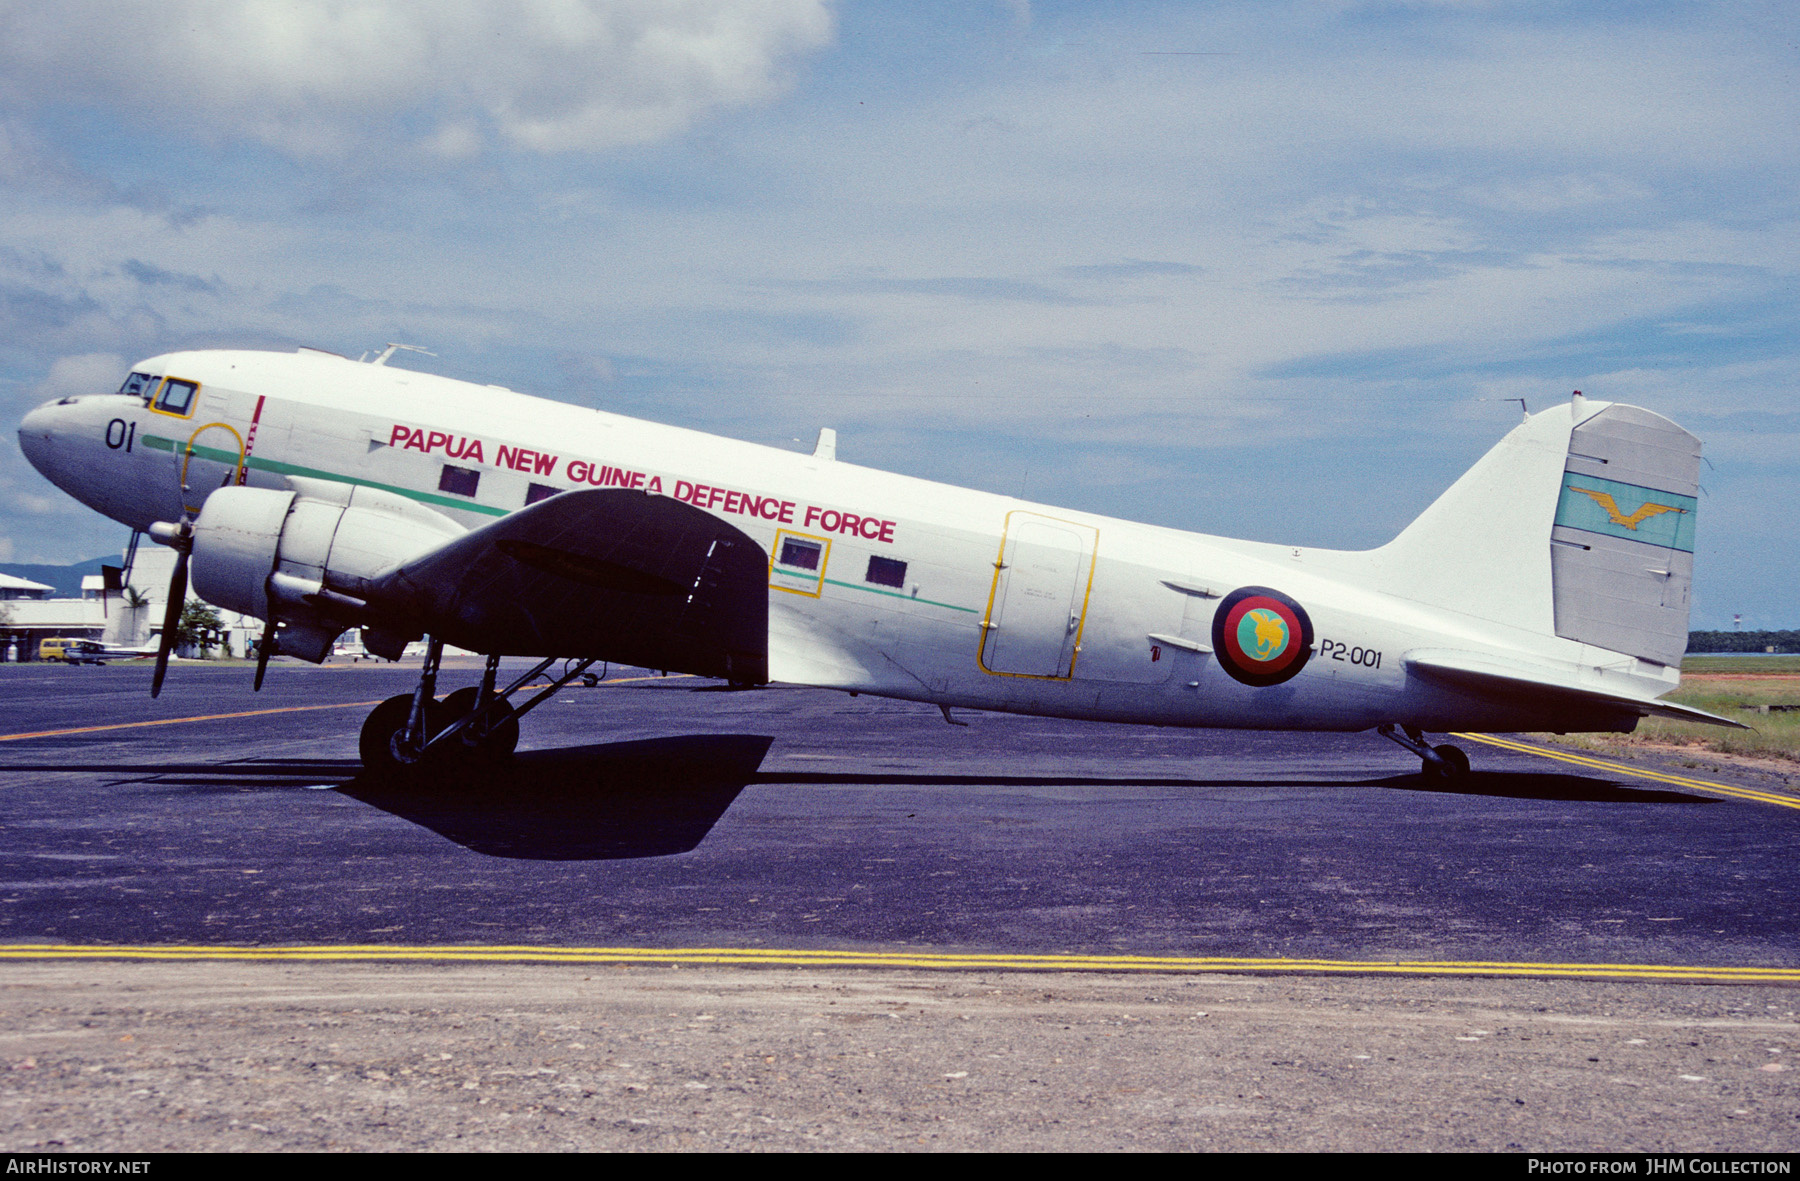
(1546, 590)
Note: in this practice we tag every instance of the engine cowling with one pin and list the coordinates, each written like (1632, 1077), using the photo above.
(305, 555)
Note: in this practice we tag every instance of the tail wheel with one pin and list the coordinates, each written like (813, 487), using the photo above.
(378, 743)
(1454, 769)
(501, 731)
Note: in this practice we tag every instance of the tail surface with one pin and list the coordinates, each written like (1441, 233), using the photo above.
(1579, 524)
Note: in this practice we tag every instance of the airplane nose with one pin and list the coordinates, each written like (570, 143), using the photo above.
(37, 431)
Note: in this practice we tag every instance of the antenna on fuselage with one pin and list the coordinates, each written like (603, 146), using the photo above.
(393, 348)
(1524, 409)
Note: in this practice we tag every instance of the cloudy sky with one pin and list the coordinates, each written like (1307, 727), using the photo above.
(1264, 269)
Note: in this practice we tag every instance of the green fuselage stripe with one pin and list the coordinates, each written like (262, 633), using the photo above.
(892, 595)
(276, 467)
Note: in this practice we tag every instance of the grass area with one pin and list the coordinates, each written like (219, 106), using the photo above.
(1736, 687)
(1760, 666)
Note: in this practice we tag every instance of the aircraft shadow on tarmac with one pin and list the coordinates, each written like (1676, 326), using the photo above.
(1514, 785)
(1503, 784)
(608, 801)
(651, 798)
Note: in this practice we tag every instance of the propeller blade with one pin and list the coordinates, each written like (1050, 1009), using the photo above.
(264, 650)
(171, 620)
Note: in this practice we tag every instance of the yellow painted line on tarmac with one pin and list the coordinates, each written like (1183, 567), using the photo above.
(1580, 760)
(249, 713)
(953, 961)
(256, 713)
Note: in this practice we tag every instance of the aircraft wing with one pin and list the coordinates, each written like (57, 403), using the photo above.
(1496, 677)
(614, 574)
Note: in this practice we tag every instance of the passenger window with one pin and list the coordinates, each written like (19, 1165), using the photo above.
(886, 572)
(800, 555)
(537, 492)
(177, 396)
(460, 481)
(140, 385)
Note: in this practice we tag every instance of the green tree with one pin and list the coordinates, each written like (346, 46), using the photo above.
(200, 627)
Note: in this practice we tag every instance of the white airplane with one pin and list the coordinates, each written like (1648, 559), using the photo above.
(1546, 590)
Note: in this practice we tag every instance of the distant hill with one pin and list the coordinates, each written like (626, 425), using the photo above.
(66, 579)
(1781, 641)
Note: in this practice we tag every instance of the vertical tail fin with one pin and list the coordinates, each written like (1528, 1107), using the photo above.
(1579, 524)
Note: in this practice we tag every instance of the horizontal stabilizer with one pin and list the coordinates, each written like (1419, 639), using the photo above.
(1517, 680)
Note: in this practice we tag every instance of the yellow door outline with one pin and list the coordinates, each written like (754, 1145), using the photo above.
(187, 457)
(988, 625)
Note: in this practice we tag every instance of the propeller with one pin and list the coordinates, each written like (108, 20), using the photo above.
(179, 538)
(264, 650)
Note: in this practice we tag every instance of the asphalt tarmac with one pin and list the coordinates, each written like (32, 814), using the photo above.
(677, 814)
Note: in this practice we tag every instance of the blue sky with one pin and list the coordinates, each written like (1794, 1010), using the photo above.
(1270, 270)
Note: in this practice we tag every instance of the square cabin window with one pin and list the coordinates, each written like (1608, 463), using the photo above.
(800, 555)
(459, 481)
(177, 396)
(886, 572)
(537, 492)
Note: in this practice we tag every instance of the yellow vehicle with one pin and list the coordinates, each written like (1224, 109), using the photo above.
(71, 650)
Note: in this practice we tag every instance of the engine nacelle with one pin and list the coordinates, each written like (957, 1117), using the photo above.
(304, 556)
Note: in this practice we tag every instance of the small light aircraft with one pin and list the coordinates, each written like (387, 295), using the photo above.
(1546, 590)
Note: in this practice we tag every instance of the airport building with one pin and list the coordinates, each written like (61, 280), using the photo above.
(121, 607)
(29, 614)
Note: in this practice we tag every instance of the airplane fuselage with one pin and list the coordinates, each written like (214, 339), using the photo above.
(878, 583)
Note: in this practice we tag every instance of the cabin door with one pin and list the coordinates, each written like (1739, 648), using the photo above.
(1039, 597)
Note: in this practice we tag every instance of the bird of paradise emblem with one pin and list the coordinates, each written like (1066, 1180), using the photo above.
(1261, 636)
(1630, 512)
(1614, 514)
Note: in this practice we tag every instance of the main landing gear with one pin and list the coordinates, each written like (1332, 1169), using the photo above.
(469, 727)
(1444, 764)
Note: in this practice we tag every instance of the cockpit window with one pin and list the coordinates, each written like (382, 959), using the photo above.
(140, 385)
(177, 396)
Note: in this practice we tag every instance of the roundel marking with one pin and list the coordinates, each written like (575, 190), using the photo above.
(1261, 636)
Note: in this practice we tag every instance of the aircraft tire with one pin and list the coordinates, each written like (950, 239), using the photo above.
(502, 737)
(385, 721)
(1456, 772)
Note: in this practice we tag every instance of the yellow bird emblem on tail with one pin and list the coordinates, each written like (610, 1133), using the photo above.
(1645, 511)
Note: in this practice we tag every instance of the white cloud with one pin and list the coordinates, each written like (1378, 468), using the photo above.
(1554, 193)
(326, 76)
(89, 373)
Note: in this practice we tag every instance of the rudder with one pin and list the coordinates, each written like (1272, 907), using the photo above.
(1622, 547)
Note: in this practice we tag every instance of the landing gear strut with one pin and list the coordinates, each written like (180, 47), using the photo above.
(397, 731)
(486, 725)
(474, 724)
(1442, 764)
